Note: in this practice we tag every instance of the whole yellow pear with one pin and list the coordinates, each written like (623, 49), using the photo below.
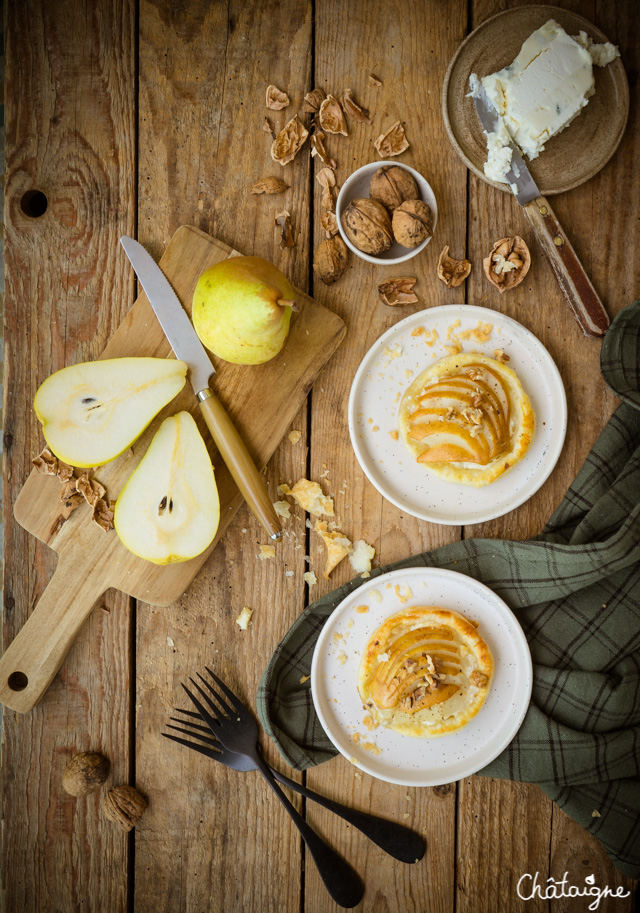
(242, 310)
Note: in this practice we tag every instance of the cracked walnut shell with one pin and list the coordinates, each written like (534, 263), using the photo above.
(391, 185)
(508, 263)
(412, 223)
(393, 142)
(398, 292)
(124, 805)
(353, 109)
(276, 98)
(452, 272)
(289, 141)
(331, 260)
(367, 224)
(331, 117)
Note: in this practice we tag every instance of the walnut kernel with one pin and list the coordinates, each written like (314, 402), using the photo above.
(412, 223)
(368, 225)
(508, 263)
(452, 272)
(392, 185)
(331, 260)
(85, 773)
(124, 805)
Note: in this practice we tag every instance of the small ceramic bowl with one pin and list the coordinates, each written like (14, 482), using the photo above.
(357, 185)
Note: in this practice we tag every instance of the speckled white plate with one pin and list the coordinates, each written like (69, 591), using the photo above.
(402, 759)
(382, 378)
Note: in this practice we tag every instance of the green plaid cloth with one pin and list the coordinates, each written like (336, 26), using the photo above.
(575, 590)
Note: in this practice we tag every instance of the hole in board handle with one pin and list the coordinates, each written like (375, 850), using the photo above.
(18, 681)
(34, 203)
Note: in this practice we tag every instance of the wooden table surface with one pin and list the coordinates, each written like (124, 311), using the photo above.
(137, 117)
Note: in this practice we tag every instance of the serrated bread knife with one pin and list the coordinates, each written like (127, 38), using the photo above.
(185, 343)
(572, 279)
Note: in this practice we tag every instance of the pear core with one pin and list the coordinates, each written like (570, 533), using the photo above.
(242, 310)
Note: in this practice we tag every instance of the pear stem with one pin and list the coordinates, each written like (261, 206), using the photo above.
(285, 302)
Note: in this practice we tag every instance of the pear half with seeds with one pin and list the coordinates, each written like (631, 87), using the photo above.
(93, 411)
(169, 509)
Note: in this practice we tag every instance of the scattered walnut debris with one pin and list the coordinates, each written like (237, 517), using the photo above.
(393, 142)
(276, 99)
(331, 116)
(313, 100)
(338, 546)
(267, 126)
(269, 185)
(508, 263)
(103, 514)
(331, 260)
(327, 180)
(124, 805)
(46, 463)
(329, 222)
(318, 148)
(289, 141)
(90, 489)
(311, 498)
(501, 355)
(70, 498)
(244, 618)
(294, 436)
(361, 556)
(452, 272)
(65, 472)
(283, 221)
(398, 292)
(353, 109)
(374, 80)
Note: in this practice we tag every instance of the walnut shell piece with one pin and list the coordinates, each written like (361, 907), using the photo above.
(331, 260)
(368, 225)
(318, 148)
(331, 117)
(329, 223)
(508, 263)
(392, 185)
(452, 272)
(283, 221)
(313, 100)
(327, 180)
(269, 185)
(412, 223)
(124, 805)
(353, 109)
(276, 99)
(393, 142)
(398, 292)
(289, 141)
(103, 514)
(85, 773)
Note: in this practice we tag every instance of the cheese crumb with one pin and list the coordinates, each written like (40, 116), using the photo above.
(361, 556)
(288, 573)
(310, 578)
(244, 618)
(267, 551)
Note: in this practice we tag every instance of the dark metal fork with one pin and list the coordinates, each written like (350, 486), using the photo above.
(233, 725)
(395, 839)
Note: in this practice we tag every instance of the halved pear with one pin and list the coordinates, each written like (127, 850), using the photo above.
(169, 509)
(93, 411)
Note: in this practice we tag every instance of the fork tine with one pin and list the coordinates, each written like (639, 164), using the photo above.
(212, 743)
(219, 707)
(229, 710)
(204, 729)
(187, 712)
(235, 702)
(212, 721)
(208, 752)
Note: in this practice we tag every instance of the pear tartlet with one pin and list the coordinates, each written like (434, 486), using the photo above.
(425, 672)
(467, 419)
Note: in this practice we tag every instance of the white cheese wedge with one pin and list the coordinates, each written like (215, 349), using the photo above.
(540, 93)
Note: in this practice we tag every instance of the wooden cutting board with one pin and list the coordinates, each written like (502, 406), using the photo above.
(262, 400)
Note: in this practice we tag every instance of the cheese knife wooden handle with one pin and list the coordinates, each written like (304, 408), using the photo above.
(238, 459)
(577, 288)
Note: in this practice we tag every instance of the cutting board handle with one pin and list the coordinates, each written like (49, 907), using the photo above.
(36, 653)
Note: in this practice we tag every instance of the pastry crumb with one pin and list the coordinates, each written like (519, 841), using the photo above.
(376, 595)
(305, 678)
(362, 609)
(282, 509)
(294, 436)
(418, 331)
(244, 618)
(267, 551)
(311, 498)
(341, 657)
(393, 435)
(403, 592)
(310, 578)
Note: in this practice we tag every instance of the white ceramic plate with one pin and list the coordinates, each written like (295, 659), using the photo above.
(402, 759)
(396, 359)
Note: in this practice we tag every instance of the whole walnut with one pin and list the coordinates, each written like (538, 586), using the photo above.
(368, 225)
(124, 805)
(392, 185)
(331, 260)
(412, 223)
(85, 773)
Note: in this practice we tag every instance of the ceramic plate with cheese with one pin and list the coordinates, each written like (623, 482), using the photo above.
(476, 703)
(406, 355)
(516, 54)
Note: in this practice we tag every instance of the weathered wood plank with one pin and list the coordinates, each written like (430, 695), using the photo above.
(396, 45)
(210, 833)
(70, 97)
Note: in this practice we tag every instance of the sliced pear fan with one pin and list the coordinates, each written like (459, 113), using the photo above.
(93, 411)
(169, 509)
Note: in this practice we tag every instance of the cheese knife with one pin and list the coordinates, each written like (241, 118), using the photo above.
(577, 288)
(187, 347)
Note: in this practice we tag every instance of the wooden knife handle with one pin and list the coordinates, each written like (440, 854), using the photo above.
(574, 282)
(36, 653)
(235, 454)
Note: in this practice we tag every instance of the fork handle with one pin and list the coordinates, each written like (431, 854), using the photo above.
(395, 839)
(340, 880)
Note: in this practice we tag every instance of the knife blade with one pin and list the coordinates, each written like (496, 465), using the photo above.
(575, 284)
(186, 345)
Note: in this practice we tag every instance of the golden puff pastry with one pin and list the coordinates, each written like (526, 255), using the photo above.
(467, 419)
(425, 672)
